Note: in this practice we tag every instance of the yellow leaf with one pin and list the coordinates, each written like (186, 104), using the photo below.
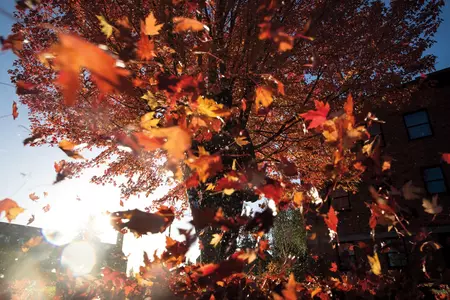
(11, 209)
(150, 26)
(107, 28)
(298, 198)
(148, 121)
(210, 187)
(264, 97)
(211, 108)
(177, 142)
(375, 264)
(152, 102)
(241, 141)
(217, 237)
(432, 207)
(184, 24)
(228, 192)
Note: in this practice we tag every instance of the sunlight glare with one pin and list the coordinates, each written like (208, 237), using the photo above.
(79, 257)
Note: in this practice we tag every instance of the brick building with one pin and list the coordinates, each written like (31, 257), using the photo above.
(415, 135)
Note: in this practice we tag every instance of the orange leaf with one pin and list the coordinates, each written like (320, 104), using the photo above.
(177, 142)
(331, 219)
(15, 111)
(33, 242)
(46, 208)
(150, 26)
(318, 116)
(334, 267)
(33, 197)
(148, 142)
(11, 208)
(145, 48)
(68, 148)
(184, 24)
(264, 97)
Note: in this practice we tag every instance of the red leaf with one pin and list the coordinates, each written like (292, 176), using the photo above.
(15, 111)
(334, 267)
(446, 157)
(331, 219)
(318, 116)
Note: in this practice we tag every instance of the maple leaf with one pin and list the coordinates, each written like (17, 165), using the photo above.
(11, 209)
(318, 116)
(30, 220)
(411, 192)
(46, 208)
(331, 219)
(147, 141)
(177, 142)
(32, 139)
(148, 121)
(106, 28)
(140, 222)
(211, 108)
(298, 199)
(73, 54)
(290, 290)
(33, 196)
(68, 148)
(284, 40)
(145, 48)
(446, 157)
(150, 26)
(205, 165)
(25, 88)
(272, 191)
(334, 267)
(33, 242)
(15, 111)
(184, 24)
(264, 97)
(241, 141)
(432, 207)
(374, 264)
(217, 237)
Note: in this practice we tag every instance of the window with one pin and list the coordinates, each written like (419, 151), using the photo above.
(396, 255)
(418, 124)
(340, 200)
(434, 180)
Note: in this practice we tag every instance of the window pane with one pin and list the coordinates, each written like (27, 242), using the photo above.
(416, 118)
(341, 203)
(433, 174)
(397, 259)
(419, 131)
(435, 187)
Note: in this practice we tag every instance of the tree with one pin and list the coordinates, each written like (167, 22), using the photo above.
(215, 90)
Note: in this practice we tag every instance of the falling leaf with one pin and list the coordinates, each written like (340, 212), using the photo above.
(331, 219)
(434, 245)
(217, 237)
(106, 28)
(147, 141)
(150, 26)
(211, 108)
(30, 220)
(145, 48)
(33, 196)
(11, 208)
(318, 116)
(45, 194)
(184, 24)
(68, 148)
(46, 208)
(446, 157)
(177, 142)
(386, 164)
(290, 290)
(411, 192)
(205, 165)
(33, 242)
(285, 41)
(148, 121)
(241, 141)
(432, 207)
(25, 88)
(374, 264)
(334, 267)
(264, 97)
(32, 139)
(15, 111)
(298, 199)
(140, 222)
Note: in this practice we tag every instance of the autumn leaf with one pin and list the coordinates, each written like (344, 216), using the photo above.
(318, 116)
(298, 199)
(411, 192)
(264, 97)
(30, 220)
(106, 28)
(334, 267)
(446, 157)
(217, 237)
(150, 26)
(241, 141)
(15, 111)
(33, 242)
(184, 24)
(432, 244)
(205, 165)
(25, 88)
(285, 41)
(432, 207)
(290, 290)
(11, 209)
(46, 208)
(374, 264)
(331, 219)
(68, 148)
(211, 108)
(146, 141)
(32, 139)
(33, 196)
(145, 48)
(148, 121)
(177, 142)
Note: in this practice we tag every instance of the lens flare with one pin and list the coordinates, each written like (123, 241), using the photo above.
(79, 257)
(59, 237)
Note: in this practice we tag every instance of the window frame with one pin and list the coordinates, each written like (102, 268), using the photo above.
(349, 208)
(408, 127)
(444, 178)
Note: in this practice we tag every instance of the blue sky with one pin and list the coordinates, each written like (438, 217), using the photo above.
(25, 170)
